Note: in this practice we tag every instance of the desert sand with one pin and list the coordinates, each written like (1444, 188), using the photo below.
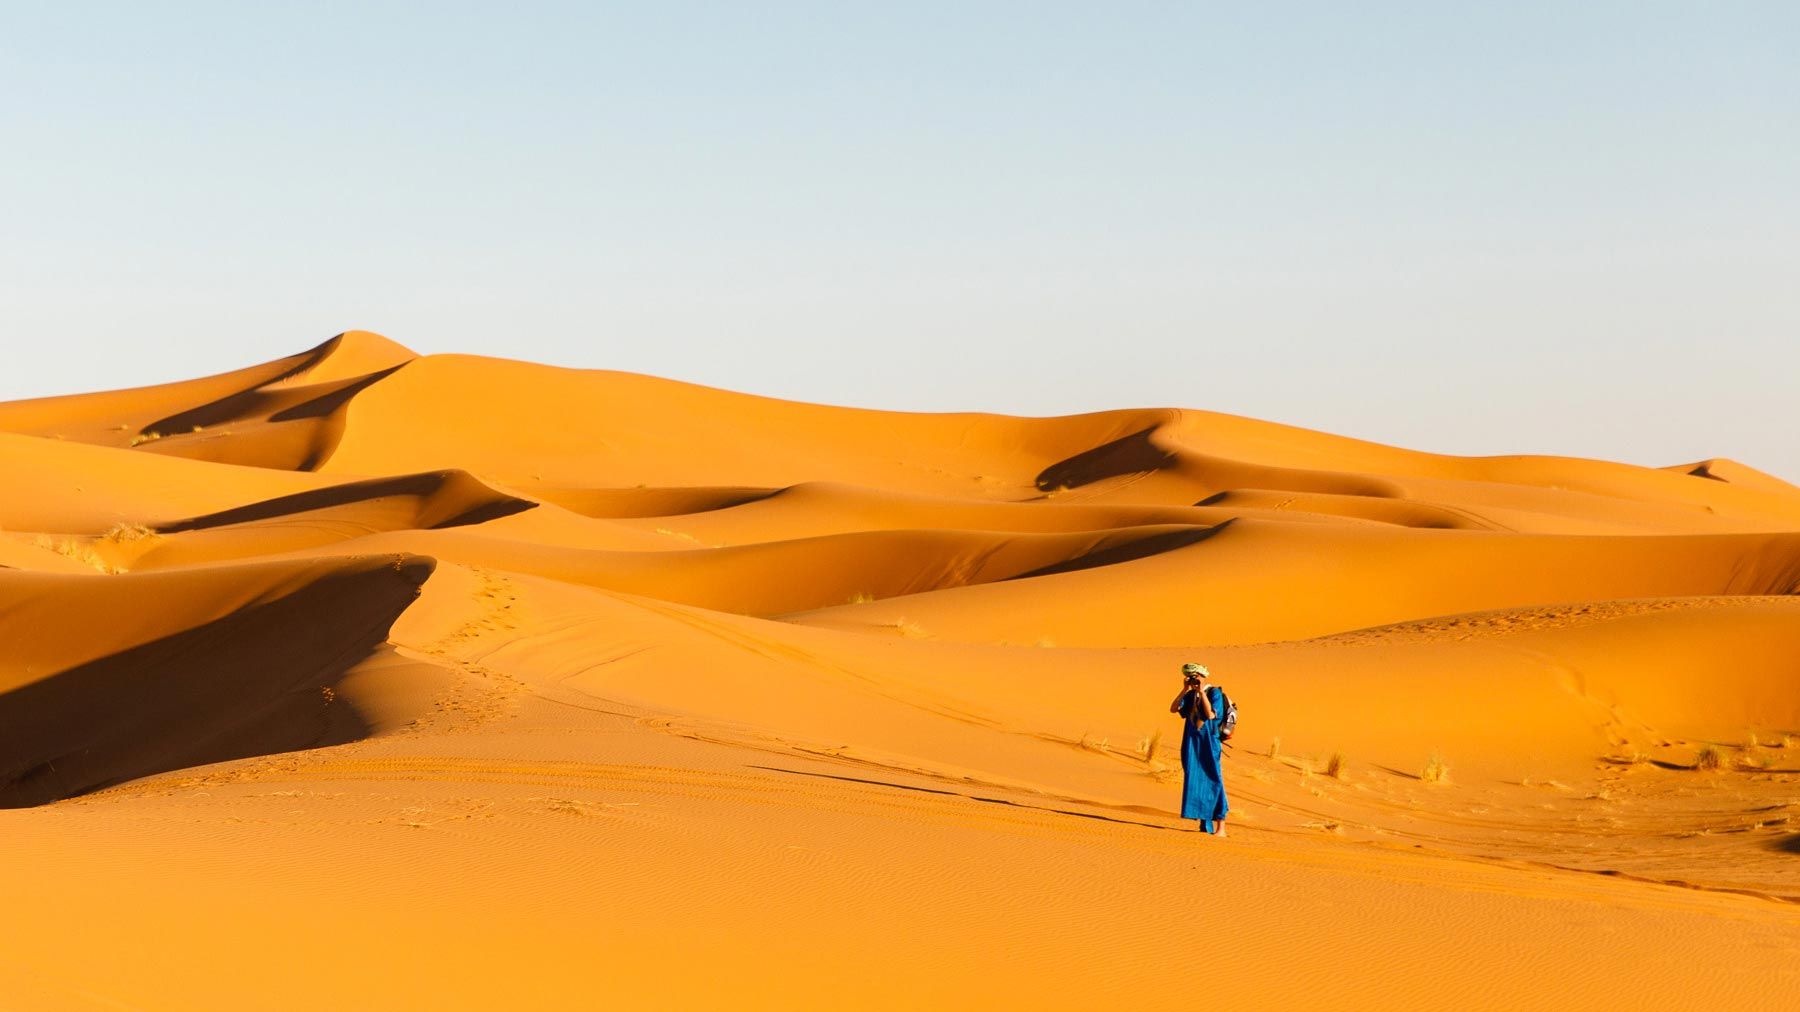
(366, 679)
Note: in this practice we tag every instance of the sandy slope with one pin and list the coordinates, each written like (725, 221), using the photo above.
(365, 679)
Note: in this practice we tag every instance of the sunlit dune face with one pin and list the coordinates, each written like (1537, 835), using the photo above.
(463, 682)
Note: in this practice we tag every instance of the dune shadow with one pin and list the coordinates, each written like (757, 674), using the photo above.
(1140, 548)
(638, 503)
(249, 403)
(1133, 454)
(919, 789)
(1789, 844)
(247, 684)
(330, 401)
(419, 485)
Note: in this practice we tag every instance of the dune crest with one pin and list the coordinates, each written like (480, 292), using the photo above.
(639, 669)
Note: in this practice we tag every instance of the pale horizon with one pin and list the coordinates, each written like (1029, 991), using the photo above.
(1539, 230)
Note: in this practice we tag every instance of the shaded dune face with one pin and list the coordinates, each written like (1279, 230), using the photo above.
(158, 695)
(286, 414)
(432, 501)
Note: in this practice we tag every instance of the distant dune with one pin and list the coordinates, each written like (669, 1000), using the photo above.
(368, 679)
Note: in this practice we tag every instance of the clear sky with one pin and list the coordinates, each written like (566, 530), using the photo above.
(1475, 228)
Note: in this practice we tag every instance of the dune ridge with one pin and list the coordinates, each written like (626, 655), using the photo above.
(641, 669)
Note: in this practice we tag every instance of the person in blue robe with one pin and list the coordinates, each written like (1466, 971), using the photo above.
(1201, 704)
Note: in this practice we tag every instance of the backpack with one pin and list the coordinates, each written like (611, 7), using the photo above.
(1227, 713)
(1227, 717)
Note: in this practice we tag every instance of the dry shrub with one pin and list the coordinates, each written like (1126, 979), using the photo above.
(1150, 745)
(1436, 770)
(1709, 758)
(1334, 766)
(76, 549)
(123, 533)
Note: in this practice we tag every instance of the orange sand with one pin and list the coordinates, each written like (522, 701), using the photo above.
(367, 680)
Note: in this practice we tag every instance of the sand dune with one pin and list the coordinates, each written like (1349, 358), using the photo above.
(443, 681)
(191, 668)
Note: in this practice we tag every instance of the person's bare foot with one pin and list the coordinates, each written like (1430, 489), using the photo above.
(1219, 831)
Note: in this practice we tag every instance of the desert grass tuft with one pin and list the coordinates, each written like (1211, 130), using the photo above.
(1334, 766)
(123, 533)
(76, 549)
(1151, 743)
(1275, 748)
(1436, 770)
(861, 598)
(1709, 758)
(146, 437)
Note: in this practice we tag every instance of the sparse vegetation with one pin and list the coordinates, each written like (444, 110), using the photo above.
(909, 628)
(1092, 744)
(1275, 748)
(75, 548)
(1334, 766)
(1150, 745)
(861, 598)
(146, 437)
(123, 533)
(1436, 770)
(1709, 758)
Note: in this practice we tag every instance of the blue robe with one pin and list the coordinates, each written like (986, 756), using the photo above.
(1202, 784)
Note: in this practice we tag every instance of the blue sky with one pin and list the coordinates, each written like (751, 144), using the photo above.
(1564, 228)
